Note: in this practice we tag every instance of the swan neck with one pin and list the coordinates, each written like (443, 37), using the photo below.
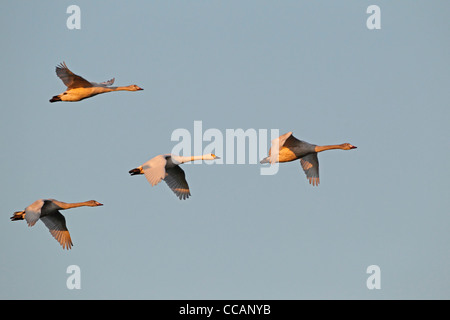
(182, 159)
(120, 88)
(329, 147)
(64, 205)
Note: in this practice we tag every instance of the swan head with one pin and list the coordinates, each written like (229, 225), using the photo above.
(347, 146)
(134, 87)
(93, 203)
(211, 156)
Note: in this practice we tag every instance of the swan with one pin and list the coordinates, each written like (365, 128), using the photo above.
(288, 148)
(47, 210)
(166, 167)
(79, 88)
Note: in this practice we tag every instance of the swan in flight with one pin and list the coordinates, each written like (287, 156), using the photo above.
(287, 148)
(47, 210)
(166, 167)
(79, 88)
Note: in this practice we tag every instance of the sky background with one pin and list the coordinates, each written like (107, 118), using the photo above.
(311, 67)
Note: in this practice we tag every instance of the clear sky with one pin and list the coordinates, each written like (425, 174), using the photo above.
(311, 67)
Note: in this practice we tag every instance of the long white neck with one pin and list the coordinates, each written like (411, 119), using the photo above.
(181, 159)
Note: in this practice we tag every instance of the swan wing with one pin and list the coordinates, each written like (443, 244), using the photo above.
(276, 146)
(282, 139)
(70, 79)
(310, 164)
(56, 224)
(33, 212)
(104, 84)
(291, 141)
(176, 180)
(155, 169)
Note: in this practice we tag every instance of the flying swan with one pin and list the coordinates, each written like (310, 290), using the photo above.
(79, 88)
(47, 210)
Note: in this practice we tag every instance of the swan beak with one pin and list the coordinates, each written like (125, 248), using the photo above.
(216, 158)
(353, 147)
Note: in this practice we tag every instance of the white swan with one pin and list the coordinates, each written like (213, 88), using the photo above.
(79, 88)
(166, 167)
(47, 210)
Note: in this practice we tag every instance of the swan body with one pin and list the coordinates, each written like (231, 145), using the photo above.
(79, 88)
(287, 148)
(166, 167)
(47, 210)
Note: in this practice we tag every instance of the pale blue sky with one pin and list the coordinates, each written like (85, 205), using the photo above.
(304, 66)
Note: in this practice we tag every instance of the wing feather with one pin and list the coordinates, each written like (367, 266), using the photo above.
(176, 180)
(104, 84)
(70, 79)
(33, 212)
(310, 164)
(56, 224)
(154, 169)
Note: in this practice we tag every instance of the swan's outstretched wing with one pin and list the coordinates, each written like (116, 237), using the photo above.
(290, 141)
(33, 212)
(70, 79)
(310, 164)
(276, 146)
(154, 169)
(56, 224)
(176, 180)
(103, 84)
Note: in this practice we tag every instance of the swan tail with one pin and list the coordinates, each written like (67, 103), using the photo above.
(265, 160)
(135, 171)
(18, 215)
(55, 99)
